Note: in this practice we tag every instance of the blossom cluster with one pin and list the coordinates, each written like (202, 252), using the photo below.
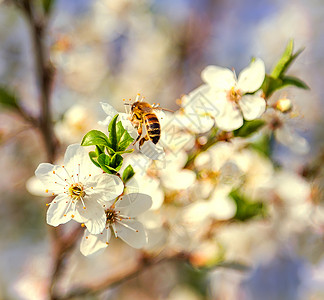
(207, 171)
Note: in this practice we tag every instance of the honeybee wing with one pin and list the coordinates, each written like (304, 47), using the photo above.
(159, 111)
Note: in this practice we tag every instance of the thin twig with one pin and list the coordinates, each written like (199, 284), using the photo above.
(44, 73)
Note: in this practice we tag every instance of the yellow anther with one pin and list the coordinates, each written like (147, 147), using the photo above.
(82, 225)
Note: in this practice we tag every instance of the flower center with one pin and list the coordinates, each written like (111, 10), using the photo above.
(234, 95)
(76, 191)
(275, 123)
(111, 216)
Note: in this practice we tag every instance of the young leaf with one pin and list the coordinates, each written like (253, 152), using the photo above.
(246, 209)
(128, 173)
(95, 137)
(94, 157)
(112, 139)
(116, 162)
(285, 61)
(119, 139)
(291, 80)
(124, 138)
(271, 84)
(249, 127)
(47, 5)
(8, 99)
(104, 162)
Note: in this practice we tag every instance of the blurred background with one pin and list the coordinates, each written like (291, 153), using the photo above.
(107, 50)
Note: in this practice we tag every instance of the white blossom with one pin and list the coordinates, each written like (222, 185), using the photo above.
(81, 190)
(120, 218)
(225, 97)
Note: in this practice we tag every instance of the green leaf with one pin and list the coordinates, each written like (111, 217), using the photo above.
(128, 173)
(116, 162)
(109, 164)
(124, 138)
(246, 209)
(271, 84)
(119, 139)
(291, 80)
(285, 61)
(126, 151)
(8, 99)
(94, 158)
(249, 127)
(99, 149)
(104, 162)
(95, 137)
(47, 5)
(112, 139)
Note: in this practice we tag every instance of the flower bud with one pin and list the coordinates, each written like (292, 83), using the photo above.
(284, 105)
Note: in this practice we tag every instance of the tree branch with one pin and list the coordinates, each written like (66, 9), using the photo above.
(44, 74)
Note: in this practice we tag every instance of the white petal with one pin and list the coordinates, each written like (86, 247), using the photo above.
(230, 118)
(200, 101)
(94, 215)
(292, 188)
(50, 175)
(132, 232)
(155, 152)
(179, 180)
(91, 243)
(124, 118)
(78, 163)
(218, 78)
(57, 212)
(36, 187)
(195, 213)
(252, 106)
(132, 205)
(291, 139)
(109, 110)
(251, 78)
(223, 208)
(104, 187)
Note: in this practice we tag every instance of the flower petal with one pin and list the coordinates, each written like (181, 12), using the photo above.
(230, 117)
(218, 78)
(109, 110)
(153, 151)
(58, 212)
(93, 214)
(171, 180)
(292, 140)
(78, 163)
(252, 106)
(104, 187)
(251, 78)
(91, 243)
(52, 177)
(134, 204)
(131, 232)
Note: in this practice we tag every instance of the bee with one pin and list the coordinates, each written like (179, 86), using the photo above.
(143, 113)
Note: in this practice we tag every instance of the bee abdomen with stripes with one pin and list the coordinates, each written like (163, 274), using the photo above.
(153, 127)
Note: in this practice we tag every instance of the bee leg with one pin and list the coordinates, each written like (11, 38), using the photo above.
(139, 131)
(143, 140)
